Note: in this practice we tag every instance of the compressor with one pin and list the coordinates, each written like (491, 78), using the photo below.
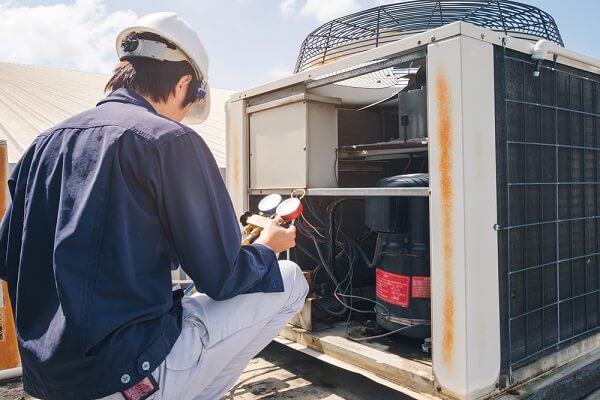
(401, 259)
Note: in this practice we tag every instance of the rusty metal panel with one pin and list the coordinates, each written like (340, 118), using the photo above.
(447, 216)
(237, 154)
(462, 212)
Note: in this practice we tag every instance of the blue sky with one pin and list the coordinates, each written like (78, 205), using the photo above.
(249, 41)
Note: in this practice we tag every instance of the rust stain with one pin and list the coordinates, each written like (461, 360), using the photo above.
(9, 353)
(446, 190)
(236, 162)
(3, 178)
(327, 61)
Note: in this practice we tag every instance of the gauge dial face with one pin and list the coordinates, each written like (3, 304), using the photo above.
(269, 204)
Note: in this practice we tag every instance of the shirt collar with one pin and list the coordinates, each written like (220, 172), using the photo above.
(127, 96)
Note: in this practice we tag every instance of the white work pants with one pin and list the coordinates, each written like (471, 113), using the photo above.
(219, 338)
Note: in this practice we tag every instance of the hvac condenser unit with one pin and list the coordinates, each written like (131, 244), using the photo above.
(451, 231)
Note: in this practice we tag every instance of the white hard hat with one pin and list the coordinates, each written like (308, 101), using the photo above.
(189, 48)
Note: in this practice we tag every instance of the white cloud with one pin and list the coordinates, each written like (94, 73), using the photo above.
(77, 36)
(324, 11)
(287, 7)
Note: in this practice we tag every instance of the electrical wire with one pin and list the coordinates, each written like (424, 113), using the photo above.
(312, 226)
(336, 167)
(369, 300)
(408, 164)
(322, 258)
(306, 252)
(349, 307)
(349, 248)
(360, 251)
(351, 261)
(304, 231)
(347, 279)
(337, 294)
(314, 213)
(319, 267)
(423, 164)
(377, 254)
(360, 339)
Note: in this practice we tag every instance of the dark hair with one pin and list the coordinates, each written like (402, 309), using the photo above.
(152, 78)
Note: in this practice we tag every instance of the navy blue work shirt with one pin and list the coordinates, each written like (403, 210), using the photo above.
(103, 205)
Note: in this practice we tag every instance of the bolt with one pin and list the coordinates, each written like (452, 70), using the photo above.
(482, 36)
(433, 38)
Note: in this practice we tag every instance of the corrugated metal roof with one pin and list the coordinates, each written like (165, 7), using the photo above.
(33, 99)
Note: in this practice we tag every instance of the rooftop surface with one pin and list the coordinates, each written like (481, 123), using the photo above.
(281, 373)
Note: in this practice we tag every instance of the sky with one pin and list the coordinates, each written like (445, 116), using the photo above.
(249, 42)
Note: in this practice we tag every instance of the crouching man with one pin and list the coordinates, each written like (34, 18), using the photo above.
(103, 205)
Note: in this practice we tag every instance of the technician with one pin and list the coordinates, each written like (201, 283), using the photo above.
(104, 205)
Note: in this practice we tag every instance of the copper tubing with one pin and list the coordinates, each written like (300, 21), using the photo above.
(252, 235)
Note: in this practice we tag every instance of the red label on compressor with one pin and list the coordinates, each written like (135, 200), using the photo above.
(421, 287)
(392, 288)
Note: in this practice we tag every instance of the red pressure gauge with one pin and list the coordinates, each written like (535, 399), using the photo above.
(289, 209)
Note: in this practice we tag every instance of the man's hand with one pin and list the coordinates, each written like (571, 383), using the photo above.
(276, 237)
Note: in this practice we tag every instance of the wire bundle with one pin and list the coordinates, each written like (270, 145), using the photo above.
(343, 291)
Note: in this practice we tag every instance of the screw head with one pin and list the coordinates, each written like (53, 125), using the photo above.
(125, 378)
(146, 366)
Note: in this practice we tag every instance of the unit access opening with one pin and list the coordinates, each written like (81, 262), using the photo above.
(366, 257)
(382, 120)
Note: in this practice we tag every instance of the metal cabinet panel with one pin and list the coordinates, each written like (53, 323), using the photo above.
(292, 143)
(278, 147)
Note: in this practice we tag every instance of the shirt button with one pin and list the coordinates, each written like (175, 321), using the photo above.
(125, 378)
(146, 366)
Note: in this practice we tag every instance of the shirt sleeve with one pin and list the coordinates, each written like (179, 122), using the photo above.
(198, 215)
